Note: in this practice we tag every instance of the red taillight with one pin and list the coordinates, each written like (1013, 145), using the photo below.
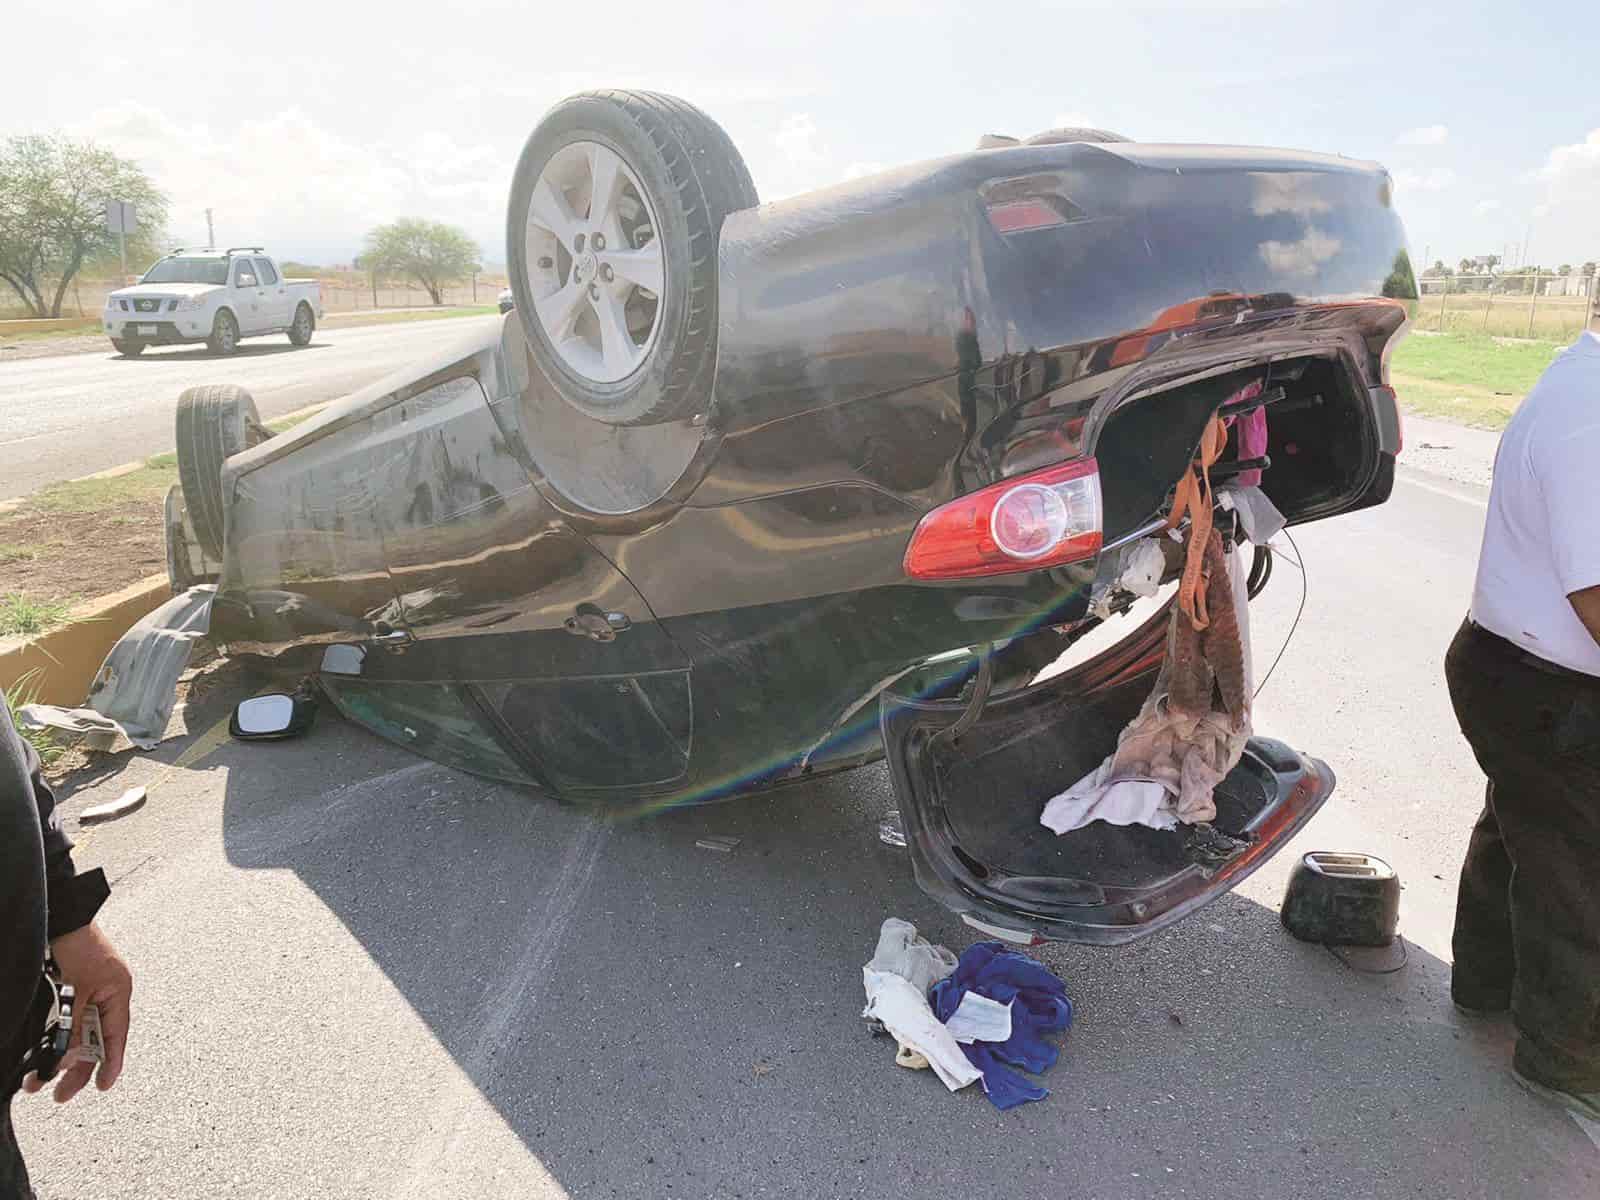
(1017, 216)
(1040, 520)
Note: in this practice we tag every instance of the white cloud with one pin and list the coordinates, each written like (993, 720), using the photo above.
(857, 169)
(294, 185)
(1074, 120)
(1424, 135)
(1434, 179)
(1570, 179)
(797, 141)
(1484, 207)
(1301, 257)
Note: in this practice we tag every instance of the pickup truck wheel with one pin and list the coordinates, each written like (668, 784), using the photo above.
(224, 337)
(616, 207)
(305, 322)
(214, 423)
(127, 348)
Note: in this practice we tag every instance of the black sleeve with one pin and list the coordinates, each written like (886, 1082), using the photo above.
(71, 899)
(22, 891)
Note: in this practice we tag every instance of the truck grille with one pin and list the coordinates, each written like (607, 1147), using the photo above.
(146, 305)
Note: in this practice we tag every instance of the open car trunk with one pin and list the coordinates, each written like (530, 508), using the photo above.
(970, 804)
(973, 771)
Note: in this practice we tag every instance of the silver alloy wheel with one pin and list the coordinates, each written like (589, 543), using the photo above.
(595, 265)
(302, 324)
(227, 332)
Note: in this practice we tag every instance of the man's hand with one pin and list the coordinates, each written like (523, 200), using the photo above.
(1587, 605)
(90, 963)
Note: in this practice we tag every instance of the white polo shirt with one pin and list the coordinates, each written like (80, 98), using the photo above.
(1541, 541)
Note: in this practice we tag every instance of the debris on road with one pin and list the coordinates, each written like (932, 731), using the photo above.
(131, 800)
(891, 830)
(1035, 1003)
(722, 845)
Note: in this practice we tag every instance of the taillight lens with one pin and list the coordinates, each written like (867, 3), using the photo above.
(1040, 520)
(1018, 216)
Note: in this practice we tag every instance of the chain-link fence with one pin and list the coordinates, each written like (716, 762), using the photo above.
(1538, 304)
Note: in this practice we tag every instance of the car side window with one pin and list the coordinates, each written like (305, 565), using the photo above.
(265, 273)
(243, 275)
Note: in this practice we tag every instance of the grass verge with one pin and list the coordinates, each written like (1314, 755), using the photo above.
(85, 538)
(21, 613)
(378, 317)
(1469, 378)
(42, 741)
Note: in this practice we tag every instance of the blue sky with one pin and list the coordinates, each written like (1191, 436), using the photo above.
(305, 124)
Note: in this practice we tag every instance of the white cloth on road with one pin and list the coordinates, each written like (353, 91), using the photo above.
(896, 981)
(980, 1019)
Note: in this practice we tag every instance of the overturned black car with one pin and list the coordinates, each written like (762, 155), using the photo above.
(740, 494)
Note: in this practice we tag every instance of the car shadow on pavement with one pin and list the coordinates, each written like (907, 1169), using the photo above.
(157, 354)
(650, 1017)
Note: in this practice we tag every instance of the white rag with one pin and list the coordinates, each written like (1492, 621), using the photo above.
(896, 981)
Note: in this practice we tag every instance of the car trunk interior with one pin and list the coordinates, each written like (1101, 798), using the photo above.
(1320, 441)
(996, 778)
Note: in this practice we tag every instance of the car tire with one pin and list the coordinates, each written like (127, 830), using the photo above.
(304, 325)
(224, 339)
(214, 423)
(128, 349)
(616, 350)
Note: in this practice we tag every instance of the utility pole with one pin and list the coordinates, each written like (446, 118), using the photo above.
(121, 220)
(211, 234)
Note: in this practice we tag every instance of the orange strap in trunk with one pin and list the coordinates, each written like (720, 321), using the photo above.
(1193, 496)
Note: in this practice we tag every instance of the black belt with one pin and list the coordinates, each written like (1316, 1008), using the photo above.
(1530, 659)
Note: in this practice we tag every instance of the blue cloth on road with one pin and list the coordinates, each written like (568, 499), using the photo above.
(1039, 1005)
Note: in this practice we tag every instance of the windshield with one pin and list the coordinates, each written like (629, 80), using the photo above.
(188, 270)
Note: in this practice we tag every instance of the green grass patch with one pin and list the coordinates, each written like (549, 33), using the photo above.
(21, 614)
(43, 742)
(147, 485)
(279, 426)
(14, 552)
(378, 317)
(1495, 365)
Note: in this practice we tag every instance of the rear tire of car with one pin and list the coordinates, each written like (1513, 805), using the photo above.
(128, 349)
(679, 177)
(224, 337)
(214, 423)
(305, 324)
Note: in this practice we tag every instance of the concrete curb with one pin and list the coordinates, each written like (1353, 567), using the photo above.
(60, 664)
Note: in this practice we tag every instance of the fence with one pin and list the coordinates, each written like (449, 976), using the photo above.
(1539, 304)
(86, 297)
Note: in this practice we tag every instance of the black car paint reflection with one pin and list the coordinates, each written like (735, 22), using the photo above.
(666, 615)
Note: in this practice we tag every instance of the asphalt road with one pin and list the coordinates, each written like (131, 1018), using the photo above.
(73, 414)
(364, 975)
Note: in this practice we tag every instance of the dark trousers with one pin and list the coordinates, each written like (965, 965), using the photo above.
(1527, 931)
(13, 1172)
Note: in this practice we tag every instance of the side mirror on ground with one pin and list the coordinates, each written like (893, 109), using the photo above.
(276, 715)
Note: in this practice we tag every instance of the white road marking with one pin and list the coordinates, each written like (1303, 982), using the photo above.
(1441, 490)
(1592, 1128)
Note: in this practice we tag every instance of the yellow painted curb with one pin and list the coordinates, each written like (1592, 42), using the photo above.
(60, 664)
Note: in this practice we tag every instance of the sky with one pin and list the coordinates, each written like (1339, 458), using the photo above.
(304, 125)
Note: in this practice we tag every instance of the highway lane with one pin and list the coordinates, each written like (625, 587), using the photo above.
(73, 414)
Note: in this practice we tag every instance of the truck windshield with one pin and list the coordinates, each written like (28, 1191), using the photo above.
(188, 270)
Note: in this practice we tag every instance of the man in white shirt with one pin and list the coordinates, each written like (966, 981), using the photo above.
(1524, 675)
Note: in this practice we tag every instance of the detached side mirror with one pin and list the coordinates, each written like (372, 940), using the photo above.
(277, 715)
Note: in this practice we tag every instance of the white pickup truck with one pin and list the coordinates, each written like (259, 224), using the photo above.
(212, 296)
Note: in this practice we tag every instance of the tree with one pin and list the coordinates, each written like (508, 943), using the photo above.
(430, 252)
(1589, 268)
(1401, 283)
(53, 193)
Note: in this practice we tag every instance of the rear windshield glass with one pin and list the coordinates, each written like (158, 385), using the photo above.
(188, 270)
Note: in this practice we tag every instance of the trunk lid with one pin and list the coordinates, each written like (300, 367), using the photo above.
(970, 800)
